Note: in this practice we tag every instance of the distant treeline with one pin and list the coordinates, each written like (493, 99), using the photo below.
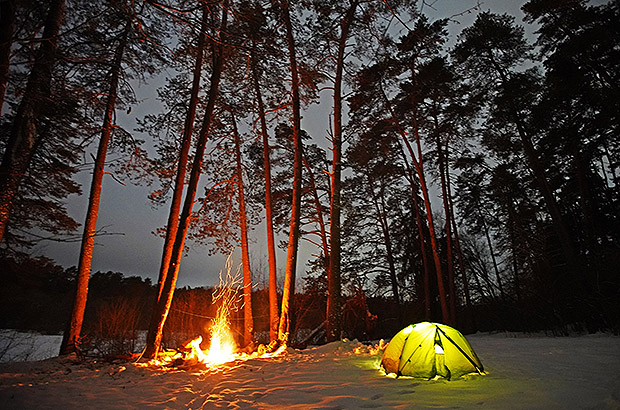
(37, 294)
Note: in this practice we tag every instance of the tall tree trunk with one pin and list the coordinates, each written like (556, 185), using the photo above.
(442, 163)
(248, 318)
(319, 217)
(498, 278)
(162, 307)
(540, 176)
(7, 27)
(179, 182)
(559, 224)
(293, 238)
(387, 241)
(418, 166)
(470, 318)
(590, 228)
(470, 322)
(271, 246)
(334, 286)
(427, 274)
(71, 337)
(421, 233)
(24, 137)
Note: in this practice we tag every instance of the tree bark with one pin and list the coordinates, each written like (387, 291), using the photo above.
(445, 312)
(162, 307)
(179, 182)
(248, 318)
(293, 239)
(24, 137)
(271, 247)
(71, 338)
(427, 274)
(7, 27)
(334, 286)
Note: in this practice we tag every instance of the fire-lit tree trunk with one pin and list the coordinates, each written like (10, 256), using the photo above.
(293, 239)
(421, 233)
(24, 137)
(445, 312)
(271, 246)
(179, 182)
(418, 166)
(443, 170)
(334, 298)
(248, 318)
(7, 26)
(162, 307)
(71, 337)
(427, 274)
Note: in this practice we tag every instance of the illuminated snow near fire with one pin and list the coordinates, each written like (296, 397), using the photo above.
(524, 372)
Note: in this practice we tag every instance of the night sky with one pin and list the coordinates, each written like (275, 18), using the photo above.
(126, 213)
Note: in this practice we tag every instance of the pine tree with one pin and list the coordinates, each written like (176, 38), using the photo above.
(123, 39)
(162, 306)
(24, 136)
(293, 240)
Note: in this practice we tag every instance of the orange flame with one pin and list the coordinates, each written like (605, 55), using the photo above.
(222, 347)
(220, 351)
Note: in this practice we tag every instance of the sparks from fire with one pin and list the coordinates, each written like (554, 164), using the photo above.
(222, 347)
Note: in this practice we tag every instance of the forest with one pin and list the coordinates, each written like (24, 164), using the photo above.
(469, 179)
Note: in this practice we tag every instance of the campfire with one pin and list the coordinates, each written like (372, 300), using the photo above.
(222, 348)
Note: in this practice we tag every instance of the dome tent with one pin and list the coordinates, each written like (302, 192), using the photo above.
(427, 350)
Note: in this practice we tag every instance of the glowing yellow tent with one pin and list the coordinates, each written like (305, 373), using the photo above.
(428, 350)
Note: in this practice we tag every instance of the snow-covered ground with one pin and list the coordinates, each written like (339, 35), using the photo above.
(531, 372)
(22, 346)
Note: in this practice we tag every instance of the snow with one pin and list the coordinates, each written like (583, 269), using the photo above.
(22, 346)
(523, 372)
